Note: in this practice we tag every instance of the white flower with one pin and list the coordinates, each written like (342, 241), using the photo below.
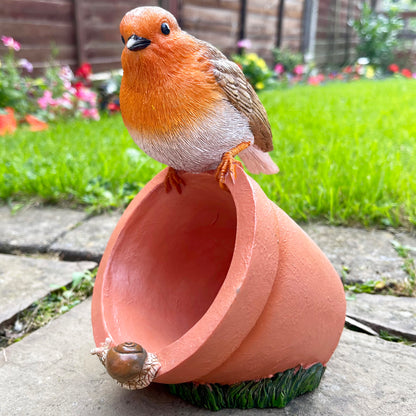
(363, 61)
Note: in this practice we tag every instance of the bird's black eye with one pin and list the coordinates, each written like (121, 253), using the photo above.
(122, 39)
(165, 28)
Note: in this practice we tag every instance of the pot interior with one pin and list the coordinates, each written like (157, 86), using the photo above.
(169, 262)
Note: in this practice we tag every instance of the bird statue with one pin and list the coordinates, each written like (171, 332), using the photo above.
(185, 104)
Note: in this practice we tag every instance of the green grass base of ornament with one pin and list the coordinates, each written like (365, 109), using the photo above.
(276, 391)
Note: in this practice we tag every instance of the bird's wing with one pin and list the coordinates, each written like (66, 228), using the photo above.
(242, 96)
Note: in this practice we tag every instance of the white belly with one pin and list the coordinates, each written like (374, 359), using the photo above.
(199, 148)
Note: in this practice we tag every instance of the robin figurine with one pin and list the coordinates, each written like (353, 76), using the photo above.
(185, 104)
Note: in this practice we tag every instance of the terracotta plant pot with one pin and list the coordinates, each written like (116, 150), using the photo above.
(222, 286)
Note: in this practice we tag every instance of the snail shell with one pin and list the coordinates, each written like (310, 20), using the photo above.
(125, 361)
(128, 363)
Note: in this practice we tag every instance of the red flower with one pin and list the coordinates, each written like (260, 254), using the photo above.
(84, 71)
(406, 73)
(78, 85)
(347, 69)
(7, 122)
(35, 124)
(394, 68)
(113, 107)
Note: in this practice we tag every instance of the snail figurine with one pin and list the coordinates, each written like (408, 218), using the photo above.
(128, 363)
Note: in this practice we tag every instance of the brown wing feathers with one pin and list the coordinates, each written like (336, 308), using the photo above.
(242, 96)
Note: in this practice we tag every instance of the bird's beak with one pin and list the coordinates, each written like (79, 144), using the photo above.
(135, 43)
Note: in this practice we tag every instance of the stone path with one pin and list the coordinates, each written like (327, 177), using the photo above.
(51, 372)
(24, 280)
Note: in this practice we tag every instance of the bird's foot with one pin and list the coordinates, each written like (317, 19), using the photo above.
(228, 164)
(173, 180)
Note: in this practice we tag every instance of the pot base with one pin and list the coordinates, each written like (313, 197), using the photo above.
(276, 391)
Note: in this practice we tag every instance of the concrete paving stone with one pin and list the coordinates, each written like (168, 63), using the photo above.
(88, 241)
(357, 254)
(24, 280)
(408, 241)
(397, 315)
(51, 372)
(34, 229)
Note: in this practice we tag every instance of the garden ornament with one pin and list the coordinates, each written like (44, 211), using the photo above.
(234, 304)
(185, 104)
(128, 363)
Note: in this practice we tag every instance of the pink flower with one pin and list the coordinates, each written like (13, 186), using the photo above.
(91, 113)
(67, 84)
(279, 69)
(316, 80)
(244, 43)
(24, 63)
(65, 73)
(10, 43)
(298, 70)
(87, 95)
(46, 100)
(64, 101)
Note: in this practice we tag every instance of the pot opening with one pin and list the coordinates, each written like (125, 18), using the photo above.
(169, 263)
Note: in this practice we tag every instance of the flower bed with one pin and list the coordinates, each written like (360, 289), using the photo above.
(58, 94)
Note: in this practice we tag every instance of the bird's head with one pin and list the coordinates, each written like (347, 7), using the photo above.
(147, 33)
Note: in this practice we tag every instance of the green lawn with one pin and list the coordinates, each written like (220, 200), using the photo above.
(346, 152)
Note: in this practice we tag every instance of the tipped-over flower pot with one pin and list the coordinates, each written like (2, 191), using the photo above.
(223, 288)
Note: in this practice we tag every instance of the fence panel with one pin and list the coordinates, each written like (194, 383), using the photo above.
(80, 30)
(335, 38)
(40, 26)
(87, 30)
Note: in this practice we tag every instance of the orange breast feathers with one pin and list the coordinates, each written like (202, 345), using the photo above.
(167, 87)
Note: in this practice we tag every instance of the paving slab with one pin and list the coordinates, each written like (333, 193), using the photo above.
(34, 229)
(24, 280)
(397, 315)
(408, 241)
(359, 255)
(51, 372)
(89, 240)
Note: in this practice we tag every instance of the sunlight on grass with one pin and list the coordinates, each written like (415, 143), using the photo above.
(346, 154)
(83, 162)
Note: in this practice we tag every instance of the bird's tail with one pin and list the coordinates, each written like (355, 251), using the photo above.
(257, 161)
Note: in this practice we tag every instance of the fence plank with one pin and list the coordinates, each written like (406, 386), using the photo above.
(88, 30)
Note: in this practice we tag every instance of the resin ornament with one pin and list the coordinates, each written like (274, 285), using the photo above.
(186, 104)
(233, 302)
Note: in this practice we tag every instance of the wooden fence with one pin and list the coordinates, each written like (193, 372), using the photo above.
(79, 30)
(87, 30)
(335, 39)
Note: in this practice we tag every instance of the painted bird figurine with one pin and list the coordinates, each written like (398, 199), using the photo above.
(185, 104)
